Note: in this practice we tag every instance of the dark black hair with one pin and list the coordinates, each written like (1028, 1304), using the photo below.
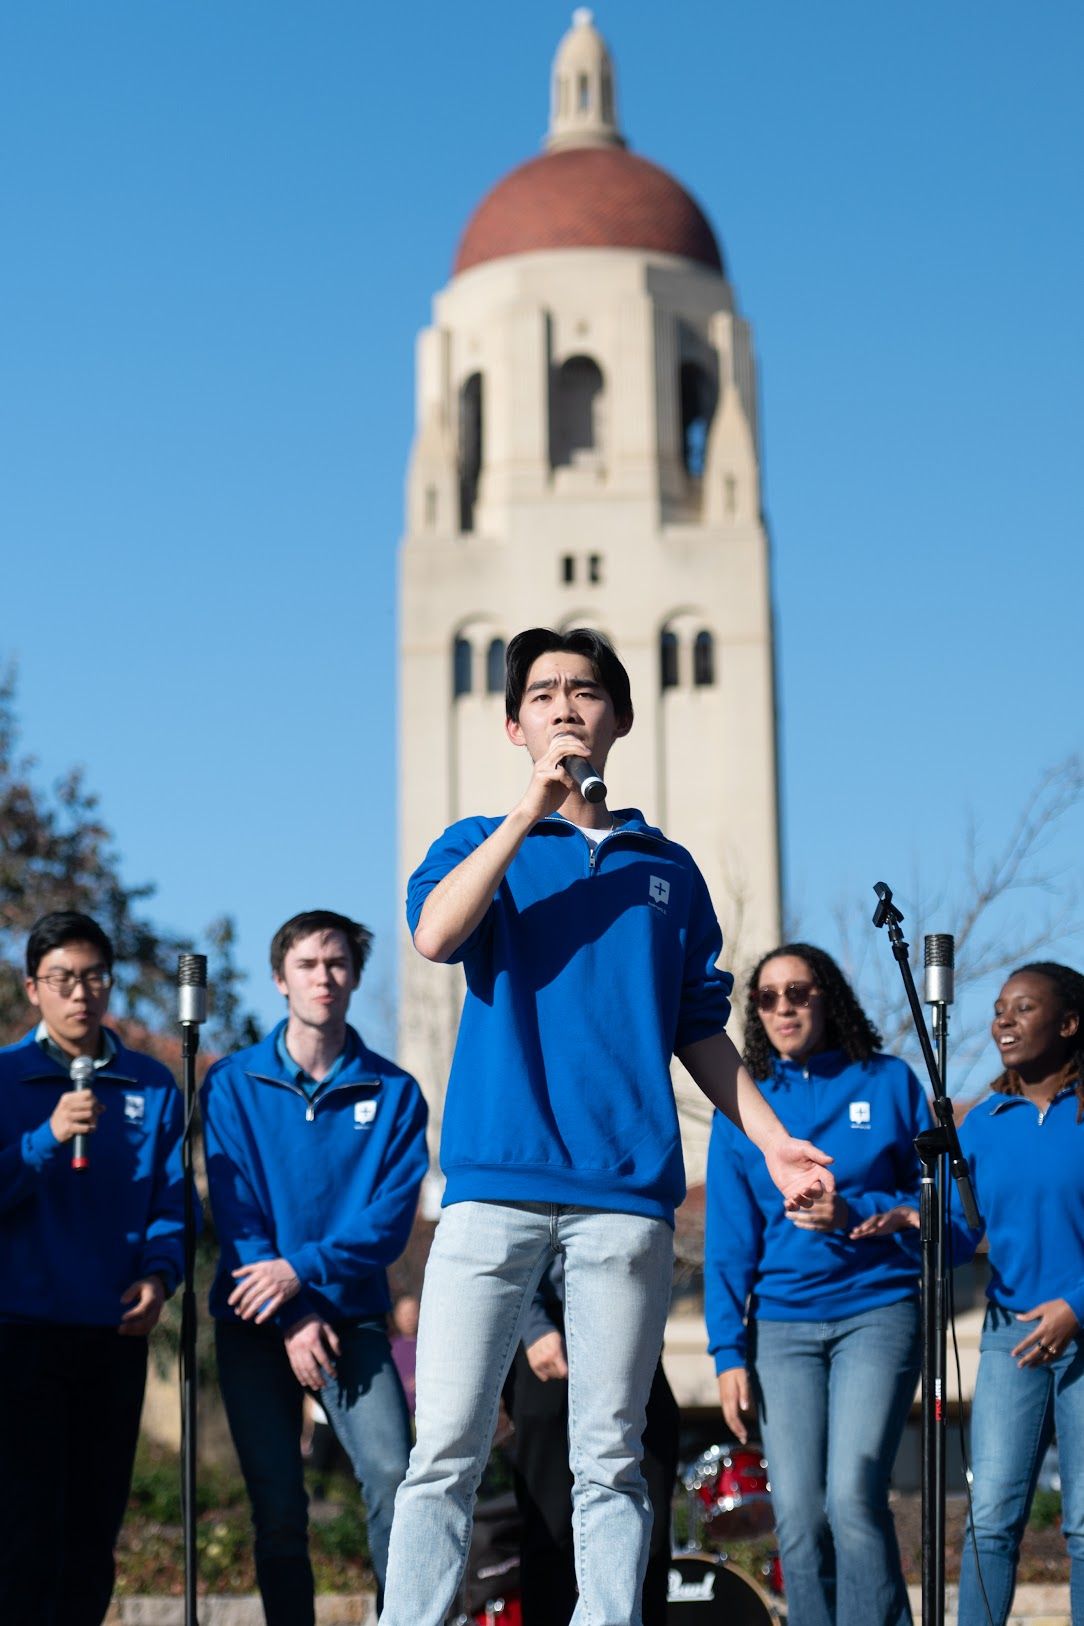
(62, 926)
(526, 647)
(1070, 987)
(846, 1025)
(359, 938)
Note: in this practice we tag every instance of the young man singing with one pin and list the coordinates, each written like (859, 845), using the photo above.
(590, 947)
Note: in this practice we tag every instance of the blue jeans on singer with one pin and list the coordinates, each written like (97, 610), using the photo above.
(833, 1397)
(486, 1262)
(367, 1410)
(1013, 1418)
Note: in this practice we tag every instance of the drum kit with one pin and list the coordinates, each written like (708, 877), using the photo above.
(728, 1499)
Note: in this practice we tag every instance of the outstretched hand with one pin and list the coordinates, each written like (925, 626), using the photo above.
(900, 1218)
(800, 1170)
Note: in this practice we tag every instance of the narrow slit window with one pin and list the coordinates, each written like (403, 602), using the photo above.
(668, 660)
(495, 667)
(462, 661)
(704, 660)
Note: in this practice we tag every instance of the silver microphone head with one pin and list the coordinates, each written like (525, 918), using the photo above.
(81, 1072)
(192, 988)
(940, 959)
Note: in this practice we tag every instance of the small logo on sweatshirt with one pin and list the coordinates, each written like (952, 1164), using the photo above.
(658, 891)
(133, 1108)
(860, 1115)
(364, 1113)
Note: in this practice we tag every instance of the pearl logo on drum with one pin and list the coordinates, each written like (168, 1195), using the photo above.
(681, 1591)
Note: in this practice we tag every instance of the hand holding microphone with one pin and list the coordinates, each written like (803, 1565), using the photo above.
(76, 1114)
(589, 782)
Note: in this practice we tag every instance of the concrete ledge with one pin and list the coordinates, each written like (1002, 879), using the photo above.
(1033, 1605)
(235, 1611)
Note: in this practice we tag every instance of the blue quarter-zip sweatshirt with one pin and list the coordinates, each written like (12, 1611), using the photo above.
(72, 1241)
(757, 1262)
(327, 1180)
(1027, 1168)
(589, 969)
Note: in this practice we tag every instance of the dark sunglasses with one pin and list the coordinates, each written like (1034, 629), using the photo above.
(797, 994)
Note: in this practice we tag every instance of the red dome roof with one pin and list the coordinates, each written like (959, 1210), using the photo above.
(587, 197)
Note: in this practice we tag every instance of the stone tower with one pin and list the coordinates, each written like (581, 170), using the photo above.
(586, 452)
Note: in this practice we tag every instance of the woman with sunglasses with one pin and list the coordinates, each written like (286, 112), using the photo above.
(815, 1329)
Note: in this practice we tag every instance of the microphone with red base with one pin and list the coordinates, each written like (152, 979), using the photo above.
(81, 1073)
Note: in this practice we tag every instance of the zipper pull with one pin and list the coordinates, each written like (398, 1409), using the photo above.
(310, 1112)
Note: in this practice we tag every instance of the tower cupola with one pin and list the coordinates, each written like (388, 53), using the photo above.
(583, 104)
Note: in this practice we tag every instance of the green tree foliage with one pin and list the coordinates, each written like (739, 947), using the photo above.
(56, 852)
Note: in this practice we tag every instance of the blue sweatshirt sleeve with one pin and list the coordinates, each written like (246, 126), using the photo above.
(239, 1219)
(733, 1235)
(449, 850)
(22, 1162)
(915, 1116)
(163, 1242)
(705, 990)
(378, 1232)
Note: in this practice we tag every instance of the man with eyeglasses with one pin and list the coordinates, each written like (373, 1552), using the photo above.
(91, 1244)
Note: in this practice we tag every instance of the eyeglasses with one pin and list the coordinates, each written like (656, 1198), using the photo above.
(797, 994)
(64, 983)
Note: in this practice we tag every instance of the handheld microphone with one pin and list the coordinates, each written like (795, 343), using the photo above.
(81, 1072)
(591, 786)
(191, 989)
(940, 958)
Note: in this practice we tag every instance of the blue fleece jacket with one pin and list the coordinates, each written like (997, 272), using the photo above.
(72, 1241)
(757, 1262)
(328, 1183)
(589, 969)
(1027, 1169)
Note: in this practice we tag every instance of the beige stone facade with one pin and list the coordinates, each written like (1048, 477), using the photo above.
(586, 452)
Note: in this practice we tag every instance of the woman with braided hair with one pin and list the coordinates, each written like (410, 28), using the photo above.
(814, 1327)
(1024, 1145)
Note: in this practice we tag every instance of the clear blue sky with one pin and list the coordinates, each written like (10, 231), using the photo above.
(222, 227)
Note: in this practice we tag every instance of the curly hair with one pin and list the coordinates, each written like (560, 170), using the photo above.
(1070, 986)
(846, 1025)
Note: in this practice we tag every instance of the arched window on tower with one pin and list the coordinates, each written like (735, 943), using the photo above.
(703, 660)
(698, 397)
(462, 664)
(495, 666)
(668, 660)
(470, 448)
(576, 410)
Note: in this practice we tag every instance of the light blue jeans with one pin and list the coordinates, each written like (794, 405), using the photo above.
(486, 1262)
(833, 1398)
(1013, 1417)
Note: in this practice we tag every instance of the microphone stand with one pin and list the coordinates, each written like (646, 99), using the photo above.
(936, 1148)
(192, 1010)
